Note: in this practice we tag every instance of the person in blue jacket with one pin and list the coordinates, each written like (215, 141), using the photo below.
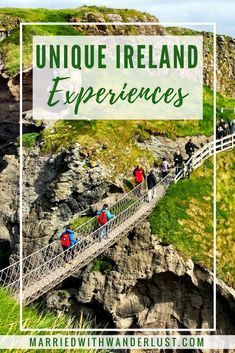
(71, 234)
(104, 216)
(73, 240)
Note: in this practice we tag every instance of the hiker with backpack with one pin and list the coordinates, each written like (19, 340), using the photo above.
(68, 241)
(139, 176)
(190, 148)
(104, 216)
(151, 183)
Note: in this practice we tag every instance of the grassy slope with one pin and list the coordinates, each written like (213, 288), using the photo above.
(184, 217)
(225, 216)
(119, 137)
(9, 319)
(120, 151)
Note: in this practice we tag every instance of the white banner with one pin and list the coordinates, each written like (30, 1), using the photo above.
(117, 342)
(117, 77)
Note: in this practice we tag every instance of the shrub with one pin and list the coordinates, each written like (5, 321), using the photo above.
(30, 139)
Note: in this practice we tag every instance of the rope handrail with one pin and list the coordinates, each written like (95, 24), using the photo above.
(84, 239)
(103, 226)
(99, 230)
(52, 256)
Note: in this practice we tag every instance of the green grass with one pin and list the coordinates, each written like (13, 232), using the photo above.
(225, 217)
(119, 151)
(30, 139)
(32, 317)
(184, 217)
(89, 133)
(60, 15)
(79, 221)
(37, 318)
(102, 265)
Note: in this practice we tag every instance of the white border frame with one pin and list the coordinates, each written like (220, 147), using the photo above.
(212, 24)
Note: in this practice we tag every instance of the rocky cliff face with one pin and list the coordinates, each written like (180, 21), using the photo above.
(9, 109)
(148, 285)
(161, 146)
(57, 188)
(9, 186)
(225, 63)
(9, 104)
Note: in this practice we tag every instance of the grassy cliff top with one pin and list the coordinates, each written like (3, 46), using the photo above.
(10, 18)
(63, 15)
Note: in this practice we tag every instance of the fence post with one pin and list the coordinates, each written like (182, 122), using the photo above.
(192, 162)
(210, 149)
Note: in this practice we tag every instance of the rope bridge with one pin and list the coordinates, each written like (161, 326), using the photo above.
(50, 265)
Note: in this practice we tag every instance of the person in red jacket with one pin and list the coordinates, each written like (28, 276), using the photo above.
(68, 241)
(139, 176)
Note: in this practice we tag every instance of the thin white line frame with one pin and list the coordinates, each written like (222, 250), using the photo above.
(213, 25)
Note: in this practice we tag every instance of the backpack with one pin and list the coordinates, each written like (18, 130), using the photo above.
(138, 175)
(64, 240)
(102, 219)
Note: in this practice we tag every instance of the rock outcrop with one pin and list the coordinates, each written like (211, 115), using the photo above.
(149, 285)
(9, 104)
(114, 29)
(225, 63)
(9, 109)
(9, 186)
(57, 188)
(161, 146)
